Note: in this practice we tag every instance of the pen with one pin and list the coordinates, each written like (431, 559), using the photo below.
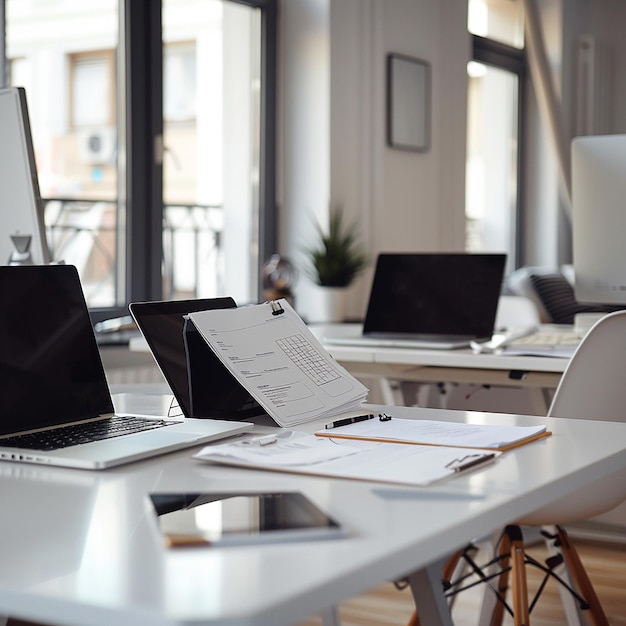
(350, 420)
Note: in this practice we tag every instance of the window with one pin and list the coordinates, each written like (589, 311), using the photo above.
(497, 20)
(495, 89)
(155, 151)
(93, 89)
(211, 126)
(179, 83)
(69, 77)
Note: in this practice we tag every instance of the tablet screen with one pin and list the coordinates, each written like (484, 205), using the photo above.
(187, 519)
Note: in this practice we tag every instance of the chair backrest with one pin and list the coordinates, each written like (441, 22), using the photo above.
(593, 385)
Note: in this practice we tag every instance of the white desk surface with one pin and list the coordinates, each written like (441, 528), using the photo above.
(462, 358)
(81, 547)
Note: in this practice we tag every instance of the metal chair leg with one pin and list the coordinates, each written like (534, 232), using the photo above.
(330, 617)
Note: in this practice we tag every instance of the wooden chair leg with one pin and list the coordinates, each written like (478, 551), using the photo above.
(519, 587)
(581, 579)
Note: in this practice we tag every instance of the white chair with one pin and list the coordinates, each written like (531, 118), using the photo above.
(593, 386)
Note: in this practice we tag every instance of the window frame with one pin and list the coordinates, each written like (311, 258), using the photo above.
(512, 59)
(140, 125)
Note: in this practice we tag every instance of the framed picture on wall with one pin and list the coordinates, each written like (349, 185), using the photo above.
(408, 103)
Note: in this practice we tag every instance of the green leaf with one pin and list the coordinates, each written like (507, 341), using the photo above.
(337, 258)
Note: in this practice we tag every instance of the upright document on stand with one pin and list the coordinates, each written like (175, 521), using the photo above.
(272, 353)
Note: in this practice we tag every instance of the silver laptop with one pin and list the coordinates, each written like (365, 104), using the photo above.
(431, 300)
(53, 385)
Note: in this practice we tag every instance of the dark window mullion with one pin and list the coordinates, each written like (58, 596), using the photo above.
(144, 186)
(268, 243)
(499, 55)
(4, 78)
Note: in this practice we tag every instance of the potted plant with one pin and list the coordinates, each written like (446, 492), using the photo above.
(337, 257)
(335, 260)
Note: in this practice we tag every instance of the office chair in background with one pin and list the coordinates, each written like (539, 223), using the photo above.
(593, 386)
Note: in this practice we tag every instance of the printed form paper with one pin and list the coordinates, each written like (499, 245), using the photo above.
(303, 453)
(272, 353)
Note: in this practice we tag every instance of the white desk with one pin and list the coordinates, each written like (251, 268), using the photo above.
(537, 374)
(81, 548)
(534, 373)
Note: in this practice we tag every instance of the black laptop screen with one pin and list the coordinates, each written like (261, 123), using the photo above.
(161, 324)
(435, 294)
(50, 367)
(217, 394)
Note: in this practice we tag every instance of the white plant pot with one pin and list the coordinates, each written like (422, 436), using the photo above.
(327, 304)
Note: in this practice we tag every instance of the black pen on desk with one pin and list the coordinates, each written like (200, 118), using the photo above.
(350, 420)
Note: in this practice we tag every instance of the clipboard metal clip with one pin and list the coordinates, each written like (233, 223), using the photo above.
(276, 306)
(468, 461)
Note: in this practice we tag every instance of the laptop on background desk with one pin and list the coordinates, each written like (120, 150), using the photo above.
(52, 382)
(431, 300)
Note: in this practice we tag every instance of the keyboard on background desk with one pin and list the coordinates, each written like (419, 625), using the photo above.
(548, 338)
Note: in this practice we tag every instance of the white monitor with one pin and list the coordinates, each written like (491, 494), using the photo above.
(22, 231)
(599, 218)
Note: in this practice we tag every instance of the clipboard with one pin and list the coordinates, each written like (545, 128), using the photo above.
(384, 428)
(303, 453)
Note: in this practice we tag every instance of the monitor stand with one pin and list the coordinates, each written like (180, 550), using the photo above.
(21, 255)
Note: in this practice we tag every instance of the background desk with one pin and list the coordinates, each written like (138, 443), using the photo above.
(81, 548)
(538, 376)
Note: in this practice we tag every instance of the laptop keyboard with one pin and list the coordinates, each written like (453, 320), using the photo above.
(549, 338)
(83, 433)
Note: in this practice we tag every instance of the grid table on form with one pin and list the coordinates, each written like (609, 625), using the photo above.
(307, 358)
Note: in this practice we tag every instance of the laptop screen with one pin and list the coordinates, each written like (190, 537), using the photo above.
(217, 393)
(453, 294)
(161, 324)
(50, 367)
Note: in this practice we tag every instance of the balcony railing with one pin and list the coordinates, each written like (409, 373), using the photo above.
(83, 232)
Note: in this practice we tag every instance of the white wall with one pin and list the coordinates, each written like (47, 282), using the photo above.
(548, 228)
(404, 201)
(303, 146)
(332, 124)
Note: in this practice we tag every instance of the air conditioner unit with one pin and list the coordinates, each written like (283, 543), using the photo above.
(96, 146)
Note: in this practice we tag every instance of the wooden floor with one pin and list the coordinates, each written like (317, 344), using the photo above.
(605, 563)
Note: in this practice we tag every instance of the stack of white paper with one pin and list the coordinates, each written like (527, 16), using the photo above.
(272, 353)
(438, 433)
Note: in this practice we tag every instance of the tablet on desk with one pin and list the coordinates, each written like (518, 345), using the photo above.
(219, 519)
